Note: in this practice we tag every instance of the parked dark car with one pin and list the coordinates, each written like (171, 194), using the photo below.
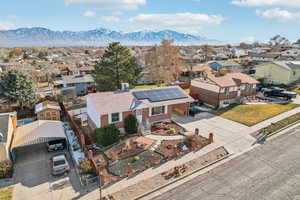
(56, 145)
(278, 92)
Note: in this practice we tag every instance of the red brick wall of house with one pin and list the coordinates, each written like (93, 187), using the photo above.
(251, 93)
(206, 96)
(184, 108)
(157, 117)
(104, 119)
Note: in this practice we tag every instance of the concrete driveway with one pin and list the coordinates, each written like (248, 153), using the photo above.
(235, 137)
(33, 179)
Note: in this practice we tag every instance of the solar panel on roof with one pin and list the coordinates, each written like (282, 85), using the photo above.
(157, 95)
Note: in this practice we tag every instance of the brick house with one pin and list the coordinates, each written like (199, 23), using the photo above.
(224, 90)
(48, 110)
(148, 105)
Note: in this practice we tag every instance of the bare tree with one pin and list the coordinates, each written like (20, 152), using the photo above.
(207, 52)
(162, 63)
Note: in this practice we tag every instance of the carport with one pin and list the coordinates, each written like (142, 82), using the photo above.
(37, 132)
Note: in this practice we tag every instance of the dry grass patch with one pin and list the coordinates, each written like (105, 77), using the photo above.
(6, 193)
(250, 115)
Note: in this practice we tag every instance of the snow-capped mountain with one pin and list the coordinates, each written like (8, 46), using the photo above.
(44, 37)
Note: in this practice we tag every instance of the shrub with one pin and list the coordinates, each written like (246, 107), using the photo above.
(86, 166)
(107, 135)
(131, 124)
(6, 169)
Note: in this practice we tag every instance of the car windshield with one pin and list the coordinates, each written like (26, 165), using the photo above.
(59, 162)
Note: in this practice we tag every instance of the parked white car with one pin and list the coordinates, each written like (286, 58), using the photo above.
(60, 164)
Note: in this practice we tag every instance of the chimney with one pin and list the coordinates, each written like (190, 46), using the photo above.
(211, 138)
(196, 131)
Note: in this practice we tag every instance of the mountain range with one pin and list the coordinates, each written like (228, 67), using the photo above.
(39, 36)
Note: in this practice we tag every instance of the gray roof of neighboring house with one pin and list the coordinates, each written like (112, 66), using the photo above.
(4, 120)
(290, 65)
(227, 63)
(77, 79)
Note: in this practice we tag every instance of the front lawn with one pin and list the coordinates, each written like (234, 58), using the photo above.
(6, 193)
(250, 115)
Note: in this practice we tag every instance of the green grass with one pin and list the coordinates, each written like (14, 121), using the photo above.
(250, 115)
(78, 106)
(6, 193)
(43, 84)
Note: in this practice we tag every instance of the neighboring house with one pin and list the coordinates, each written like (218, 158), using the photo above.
(225, 64)
(87, 70)
(280, 72)
(239, 52)
(291, 53)
(8, 124)
(224, 90)
(148, 105)
(193, 71)
(80, 82)
(48, 110)
(263, 57)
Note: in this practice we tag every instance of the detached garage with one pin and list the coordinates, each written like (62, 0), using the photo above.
(37, 132)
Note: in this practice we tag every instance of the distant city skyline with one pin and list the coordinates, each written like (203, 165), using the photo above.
(225, 20)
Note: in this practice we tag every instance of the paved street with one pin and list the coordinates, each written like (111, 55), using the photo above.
(268, 172)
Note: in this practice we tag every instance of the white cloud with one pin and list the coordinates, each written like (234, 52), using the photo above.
(109, 4)
(279, 14)
(267, 3)
(89, 14)
(110, 19)
(184, 22)
(6, 25)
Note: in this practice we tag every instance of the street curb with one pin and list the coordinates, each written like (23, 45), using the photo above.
(274, 133)
(280, 130)
(181, 178)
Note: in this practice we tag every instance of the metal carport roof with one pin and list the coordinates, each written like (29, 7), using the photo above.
(38, 132)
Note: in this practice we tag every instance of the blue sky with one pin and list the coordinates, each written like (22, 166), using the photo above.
(225, 20)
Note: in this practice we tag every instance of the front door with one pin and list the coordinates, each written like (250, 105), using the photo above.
(139, 115)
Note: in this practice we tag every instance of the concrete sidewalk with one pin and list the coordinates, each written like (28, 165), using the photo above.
(233, 136)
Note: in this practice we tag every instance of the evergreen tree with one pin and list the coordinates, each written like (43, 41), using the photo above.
(16, 87)
(116, 66)
(131, 124)
(107, 135)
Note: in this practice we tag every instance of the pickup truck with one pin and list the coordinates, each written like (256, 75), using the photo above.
(278, 92)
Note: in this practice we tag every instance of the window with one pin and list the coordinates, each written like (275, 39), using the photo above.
(158, 110)
(115, 117)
